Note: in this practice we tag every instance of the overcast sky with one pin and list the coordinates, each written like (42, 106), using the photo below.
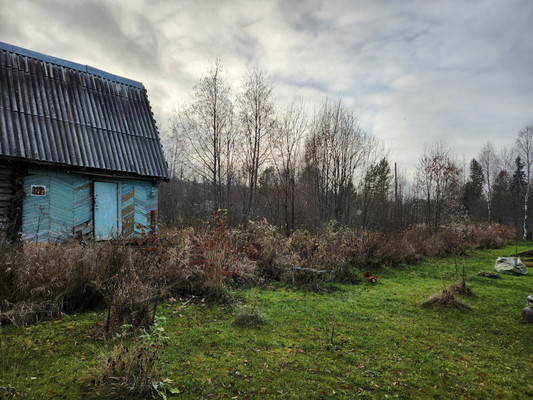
(412, 70)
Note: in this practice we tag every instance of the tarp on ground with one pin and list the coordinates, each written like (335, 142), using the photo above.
(510, 266)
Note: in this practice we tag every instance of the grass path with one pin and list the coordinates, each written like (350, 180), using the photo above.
(354, 341)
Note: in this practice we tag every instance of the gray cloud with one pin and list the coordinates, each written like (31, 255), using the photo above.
(412, 70)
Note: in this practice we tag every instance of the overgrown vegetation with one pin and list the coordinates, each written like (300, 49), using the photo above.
(40, 281)
(368, 341)
(212, 263)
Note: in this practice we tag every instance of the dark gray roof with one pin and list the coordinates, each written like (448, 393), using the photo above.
(59, 112)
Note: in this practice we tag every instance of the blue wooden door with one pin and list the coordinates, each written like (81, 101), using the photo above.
(105, 210)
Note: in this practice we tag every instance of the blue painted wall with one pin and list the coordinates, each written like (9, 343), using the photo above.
(67, 206)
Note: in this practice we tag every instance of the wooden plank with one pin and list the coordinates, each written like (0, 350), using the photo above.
(83, 187)
(315, 272)
(61, 205)
(83, 201)
(127, 210)
(128, 196)
(323, 271)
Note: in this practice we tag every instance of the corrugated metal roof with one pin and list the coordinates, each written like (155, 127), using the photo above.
(59, 112)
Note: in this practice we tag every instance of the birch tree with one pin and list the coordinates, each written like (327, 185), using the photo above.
(438, 175)
(256, 118)
(524, 147)
(488, 159)
(335, 150)
(206, 125)
(286, 154)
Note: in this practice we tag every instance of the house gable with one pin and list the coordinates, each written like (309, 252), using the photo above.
(56, 112)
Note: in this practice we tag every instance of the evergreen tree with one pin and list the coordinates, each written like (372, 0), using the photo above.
(519, 177)
(376, 187)
(501, 199)
(474, 188)
(516, 192)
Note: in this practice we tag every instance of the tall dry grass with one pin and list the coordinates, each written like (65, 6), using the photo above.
(349, 251)
(45, 280)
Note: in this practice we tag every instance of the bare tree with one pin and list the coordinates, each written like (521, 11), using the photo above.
(489, 161)
(256, 117)
(173, 147)
(438, 176)
(524, 147)
(206, 125)
(176, 150)
(286, 149)
(334, 150)
(507, 160)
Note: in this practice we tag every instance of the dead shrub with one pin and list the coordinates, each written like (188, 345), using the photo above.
(485, 236)
(368, 249)
(40, 277)
(417, 241)
(129, 305)
(10, 259)
(218, 261)
(83, 295)
(330, 249)
(446, 299)
(70, 277)
(45, 279)
(462, 289)
(26, 312)
(131, 371)
(302, 245)
(402, 248)
(264, 245)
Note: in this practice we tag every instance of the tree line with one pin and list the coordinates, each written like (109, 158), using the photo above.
(237, 150)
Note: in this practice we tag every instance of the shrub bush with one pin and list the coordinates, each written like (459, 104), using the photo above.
(264, 245)
(131, 371)
(39, 280)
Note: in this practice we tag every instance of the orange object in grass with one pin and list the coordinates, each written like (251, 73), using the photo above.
(371, 278)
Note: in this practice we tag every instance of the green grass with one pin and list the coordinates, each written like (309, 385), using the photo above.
(352, 341)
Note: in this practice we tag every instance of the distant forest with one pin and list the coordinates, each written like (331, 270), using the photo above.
(236, 150)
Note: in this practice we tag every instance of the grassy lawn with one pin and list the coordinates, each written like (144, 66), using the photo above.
(346, 342)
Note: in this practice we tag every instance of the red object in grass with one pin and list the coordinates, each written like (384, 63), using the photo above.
(371, 278)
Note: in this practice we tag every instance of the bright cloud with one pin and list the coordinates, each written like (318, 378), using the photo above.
(413, 71)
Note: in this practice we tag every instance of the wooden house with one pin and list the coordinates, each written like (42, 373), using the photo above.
(80, 154)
